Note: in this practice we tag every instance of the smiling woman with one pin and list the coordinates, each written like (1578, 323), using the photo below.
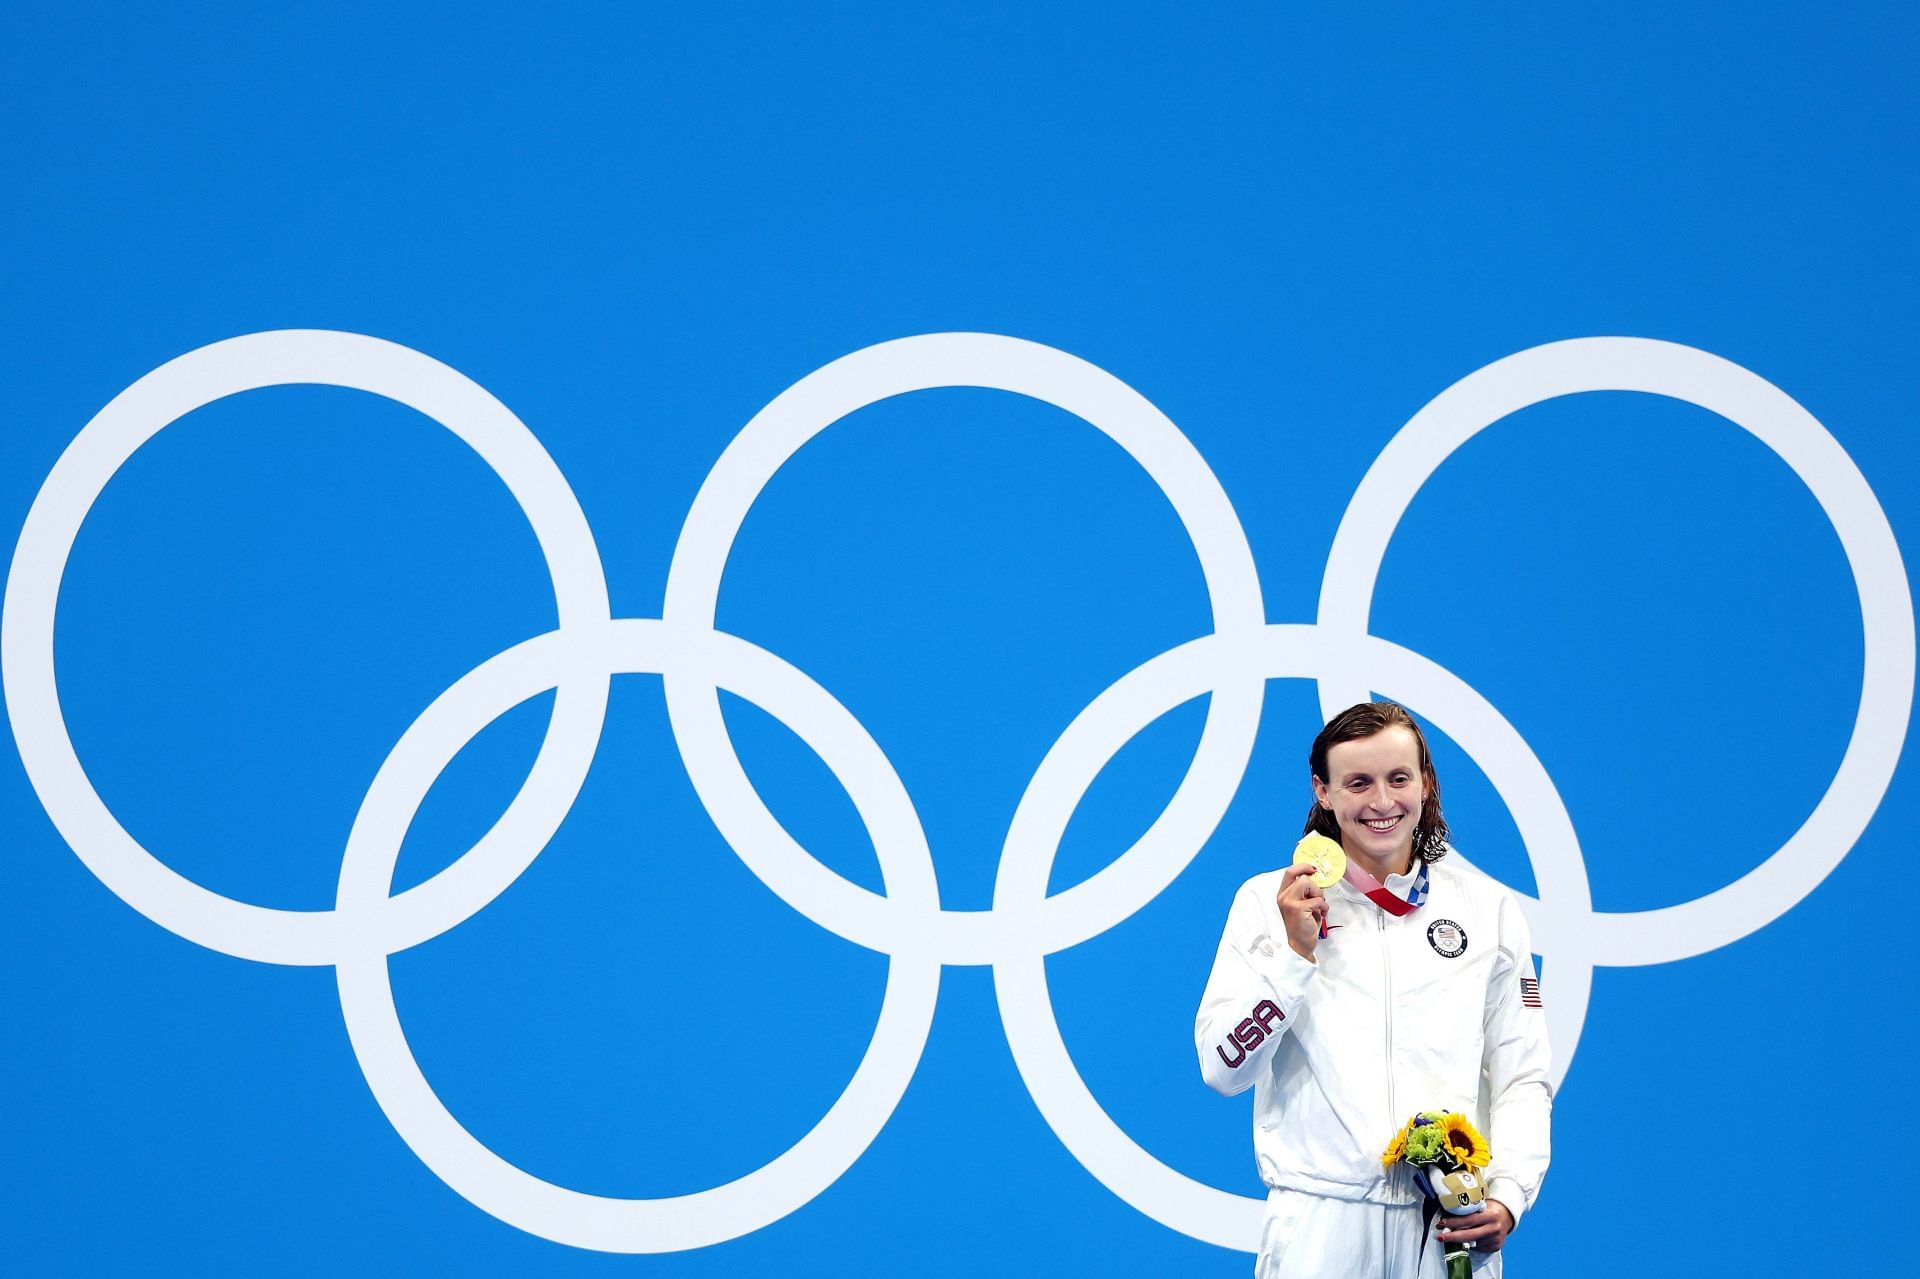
(1427, 986)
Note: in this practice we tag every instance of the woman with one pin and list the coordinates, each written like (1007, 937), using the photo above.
(1406, 986)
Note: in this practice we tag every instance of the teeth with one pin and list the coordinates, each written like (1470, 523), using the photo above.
(1382, 823)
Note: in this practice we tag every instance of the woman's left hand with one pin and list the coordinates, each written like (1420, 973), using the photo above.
(1485, 1230)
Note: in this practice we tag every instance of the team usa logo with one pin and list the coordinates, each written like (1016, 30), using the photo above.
(1447, 937)
(1251, 1033)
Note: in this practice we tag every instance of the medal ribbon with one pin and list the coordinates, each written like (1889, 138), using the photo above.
(1385, 898)
(1382, 896)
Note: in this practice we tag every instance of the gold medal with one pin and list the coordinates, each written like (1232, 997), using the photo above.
(1328, 859)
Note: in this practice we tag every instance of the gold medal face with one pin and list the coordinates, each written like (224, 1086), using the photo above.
(1328, 859)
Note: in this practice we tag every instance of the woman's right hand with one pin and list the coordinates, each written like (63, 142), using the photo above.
(1303, 908)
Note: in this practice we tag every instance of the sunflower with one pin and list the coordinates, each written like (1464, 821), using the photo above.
(1465, 1141)
(1395, 1149)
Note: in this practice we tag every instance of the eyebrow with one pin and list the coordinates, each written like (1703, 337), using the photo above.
(1397, 768)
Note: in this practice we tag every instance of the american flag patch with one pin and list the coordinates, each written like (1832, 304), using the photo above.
(1530, 993)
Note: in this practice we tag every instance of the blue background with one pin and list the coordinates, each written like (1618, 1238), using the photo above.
(1286, 226)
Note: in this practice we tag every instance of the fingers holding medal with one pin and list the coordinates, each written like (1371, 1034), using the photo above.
(1317, 863)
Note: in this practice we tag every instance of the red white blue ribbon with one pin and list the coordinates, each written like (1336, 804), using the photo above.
(1382, 896)
(1385, 898)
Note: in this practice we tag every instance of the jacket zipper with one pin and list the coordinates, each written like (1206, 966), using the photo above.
(1386, 961)
(1393, 1116)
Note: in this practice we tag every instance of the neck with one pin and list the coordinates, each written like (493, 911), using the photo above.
(1380, 868)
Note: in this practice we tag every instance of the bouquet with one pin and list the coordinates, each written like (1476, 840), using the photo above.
(1445, 1152)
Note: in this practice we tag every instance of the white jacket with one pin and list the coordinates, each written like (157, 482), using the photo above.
(1395, 1016)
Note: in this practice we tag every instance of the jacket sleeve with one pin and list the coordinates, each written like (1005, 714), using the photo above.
(1518, 1071)
(1258, 990)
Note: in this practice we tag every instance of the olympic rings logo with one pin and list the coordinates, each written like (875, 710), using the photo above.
(1025, 924)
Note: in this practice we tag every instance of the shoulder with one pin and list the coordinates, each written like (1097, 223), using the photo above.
(1257, 894)
(1476, 892)
(1265, 884)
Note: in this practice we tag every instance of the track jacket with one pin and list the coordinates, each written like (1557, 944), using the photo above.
(1435, 1010)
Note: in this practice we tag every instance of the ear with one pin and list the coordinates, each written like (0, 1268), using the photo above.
(1320, 793)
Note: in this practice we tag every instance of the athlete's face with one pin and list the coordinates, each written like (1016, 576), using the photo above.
(1375, 792)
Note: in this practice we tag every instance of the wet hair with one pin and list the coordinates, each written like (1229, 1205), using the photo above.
(1364, 720)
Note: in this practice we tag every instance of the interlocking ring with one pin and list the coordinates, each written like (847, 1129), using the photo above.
(135, 416)
(1025, 924)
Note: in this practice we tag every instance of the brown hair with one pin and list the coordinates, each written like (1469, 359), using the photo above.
(1364, 720)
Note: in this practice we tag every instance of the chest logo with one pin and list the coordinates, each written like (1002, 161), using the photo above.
(1447, 937)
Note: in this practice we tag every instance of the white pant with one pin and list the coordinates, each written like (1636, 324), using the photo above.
(1309, 1237)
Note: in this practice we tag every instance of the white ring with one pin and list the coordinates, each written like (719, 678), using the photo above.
(822, 398)
(135, 416)
(1749, 401)
(479, 1175)
(1136, 700)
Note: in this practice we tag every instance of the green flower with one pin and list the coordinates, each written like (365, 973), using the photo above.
(1426, 1143)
